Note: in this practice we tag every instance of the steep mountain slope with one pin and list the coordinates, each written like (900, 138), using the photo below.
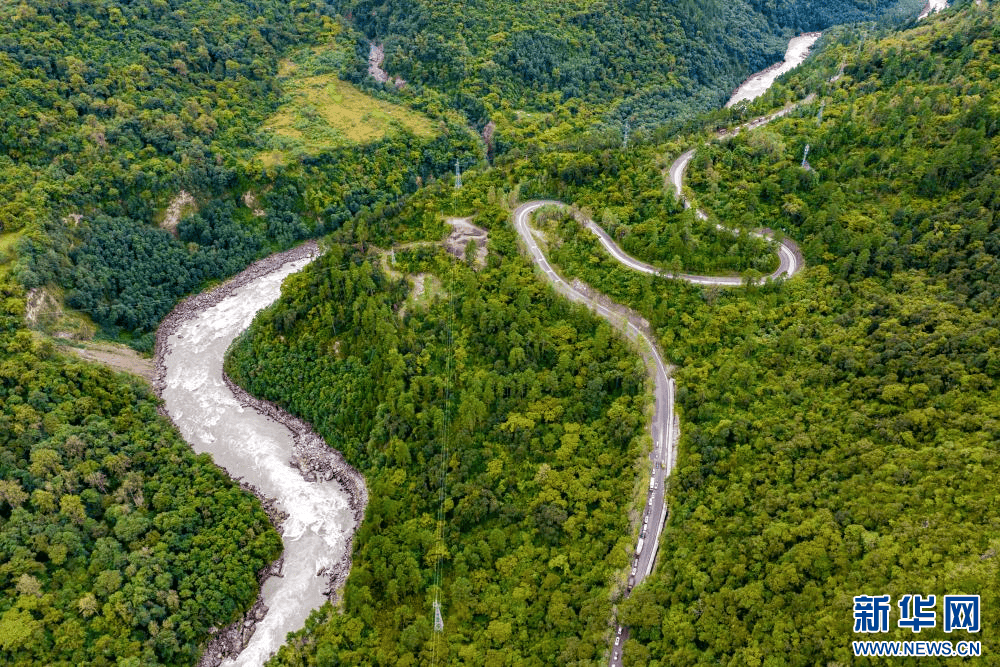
(496, 426)
(840, 431)
(836, 429)
(109, 110)
(117, 544)
(650, 59)
(100, 134)
(904, 160)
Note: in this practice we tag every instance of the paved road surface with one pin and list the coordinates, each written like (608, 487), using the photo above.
(789, 256)
(664, 427)
(663, 454)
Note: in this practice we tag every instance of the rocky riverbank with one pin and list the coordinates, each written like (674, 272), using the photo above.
(311, 456)
(228, 642)
(318, 462)
(184, 310)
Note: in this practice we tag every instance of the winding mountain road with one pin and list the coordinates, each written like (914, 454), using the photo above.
(665, 429)
(789, 256)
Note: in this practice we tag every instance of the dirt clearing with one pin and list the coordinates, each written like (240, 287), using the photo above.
(118, 357)
(181, 205)
(462, 232)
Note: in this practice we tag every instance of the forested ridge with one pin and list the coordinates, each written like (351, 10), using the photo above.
(626, 193)
(118, 546)
(834, 438)
(904, 159)
(536, 408)
(648, 60)
(838, 431)
(113, 105)
(107, 111)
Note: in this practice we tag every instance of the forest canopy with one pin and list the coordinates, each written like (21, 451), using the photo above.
(493, 401)
(649, 61)
(837, 428)
(117, 543)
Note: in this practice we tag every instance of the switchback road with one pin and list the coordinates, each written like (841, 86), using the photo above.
(664, 427)
(634, 327)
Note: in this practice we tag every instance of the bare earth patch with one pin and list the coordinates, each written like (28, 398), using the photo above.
(250, 201)
(118, 357)
(463, 231)
(44, 313)
(41, 304)
(376, 56)
(174, 211)
(418, 285)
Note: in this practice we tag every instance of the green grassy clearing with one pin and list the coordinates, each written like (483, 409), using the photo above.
(324, 112)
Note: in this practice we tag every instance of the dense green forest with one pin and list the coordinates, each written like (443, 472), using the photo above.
(108, 111)
(517, 411)
(839, 430)
(903, 160)
(127, 275)
(118, 546)
(625, 192)
(647, 60)
(113, 105)
(835, 438)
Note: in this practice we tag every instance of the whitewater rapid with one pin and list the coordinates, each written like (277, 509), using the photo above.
(757, 84)
(257, 449)
(933, 7)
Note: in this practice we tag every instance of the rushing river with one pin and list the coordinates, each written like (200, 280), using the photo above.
(933, 7)
(757, 84)
(795, 55)
(258, 449)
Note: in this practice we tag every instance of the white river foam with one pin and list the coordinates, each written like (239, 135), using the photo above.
(258, 449)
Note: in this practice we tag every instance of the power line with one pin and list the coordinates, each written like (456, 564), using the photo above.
(440, 547)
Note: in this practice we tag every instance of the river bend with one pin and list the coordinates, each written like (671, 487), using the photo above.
(254, 447)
